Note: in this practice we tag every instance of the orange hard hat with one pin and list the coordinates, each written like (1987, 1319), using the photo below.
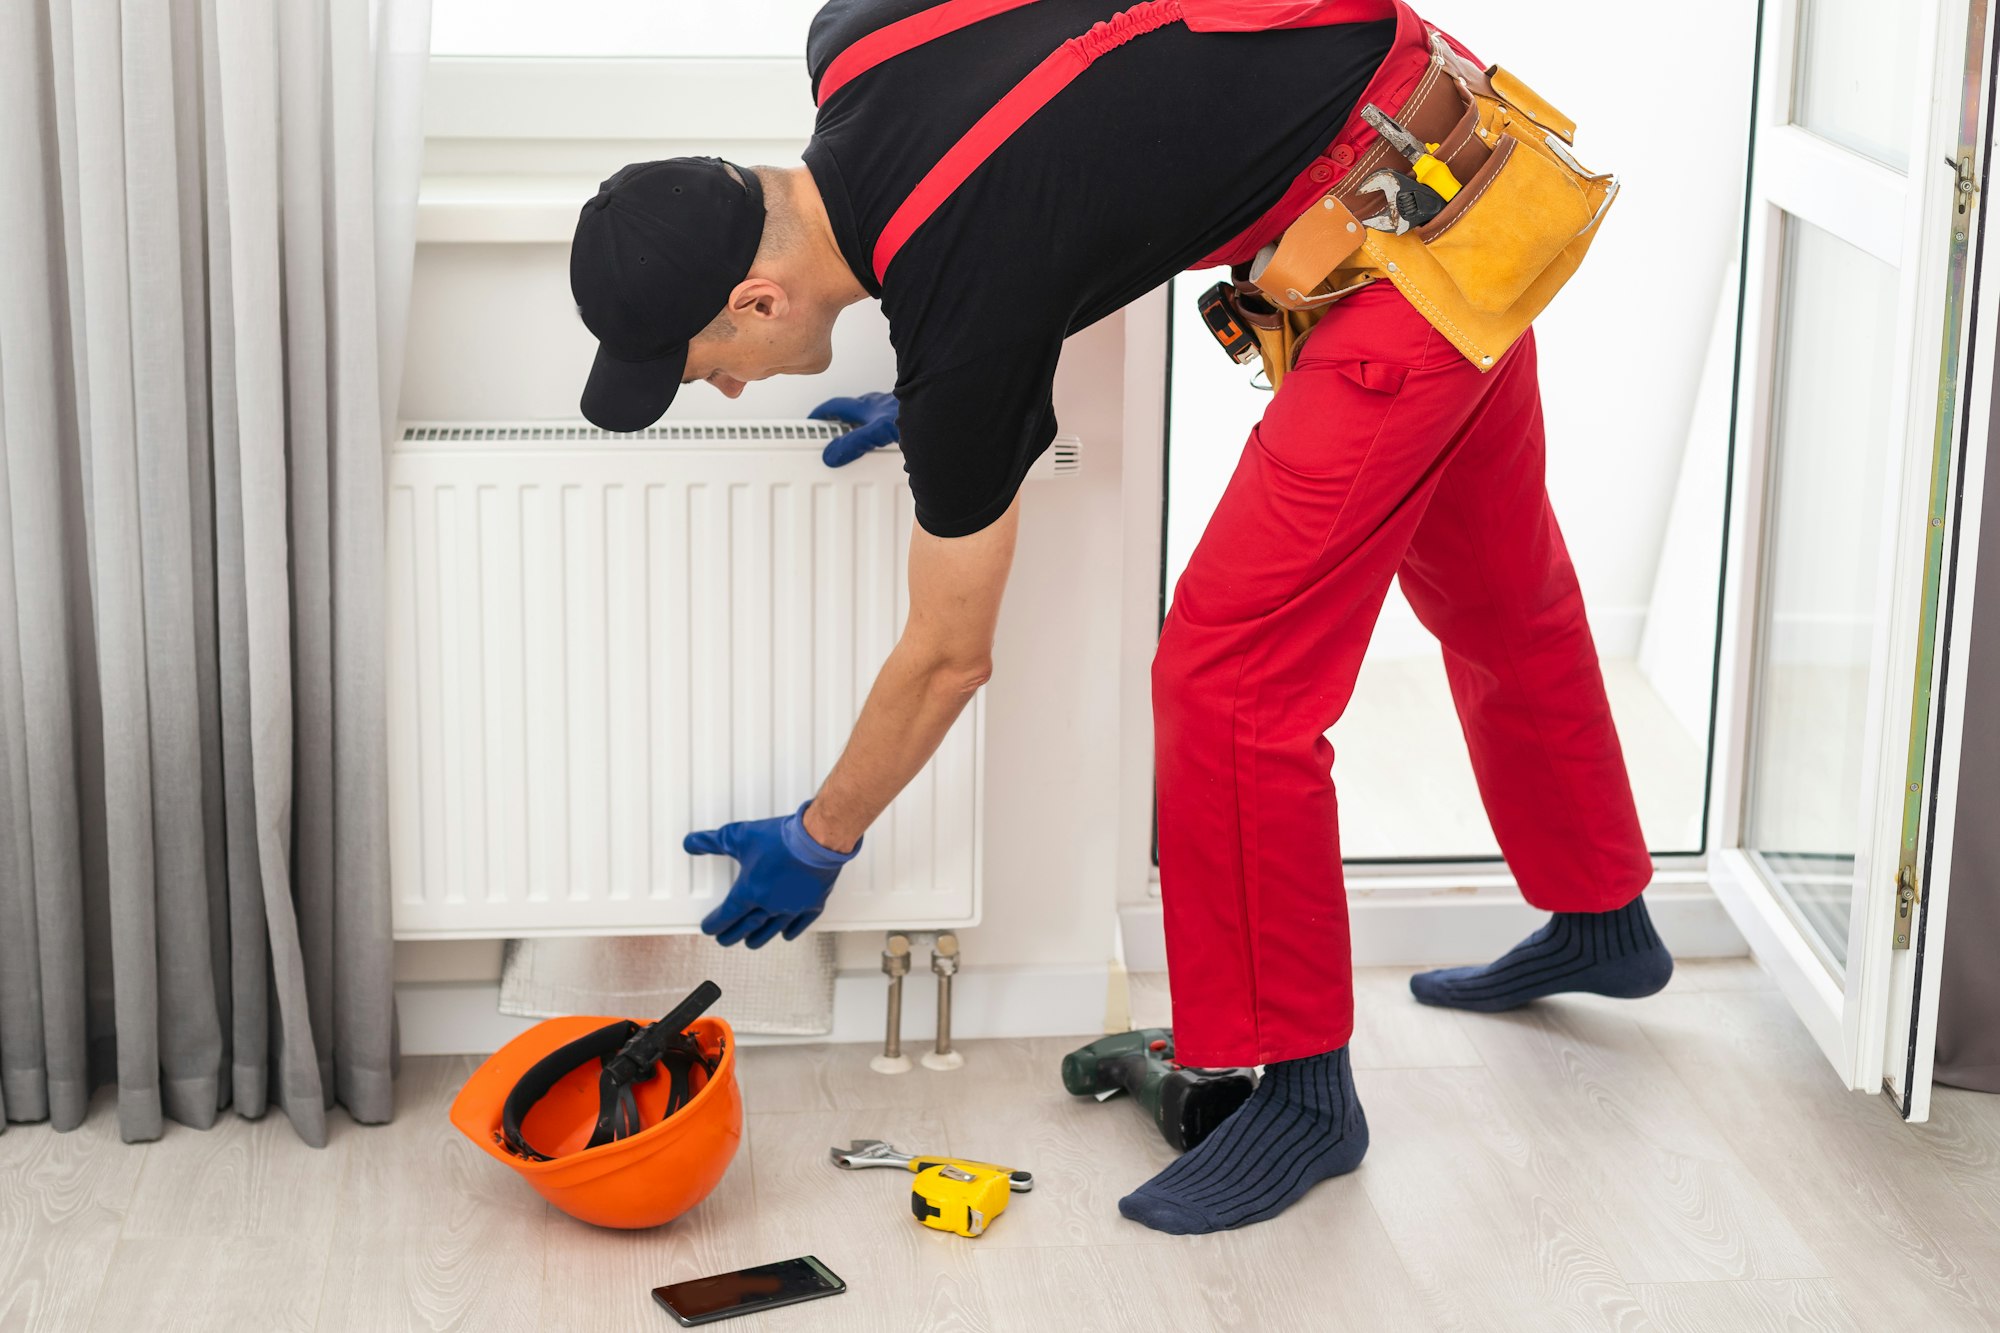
(615, 1121)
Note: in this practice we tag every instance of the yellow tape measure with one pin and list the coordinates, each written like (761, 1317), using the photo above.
(953, 1198)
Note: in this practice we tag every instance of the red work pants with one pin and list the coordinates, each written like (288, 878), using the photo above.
(1383, 454)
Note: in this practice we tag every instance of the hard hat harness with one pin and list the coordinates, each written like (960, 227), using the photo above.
(629, 1053)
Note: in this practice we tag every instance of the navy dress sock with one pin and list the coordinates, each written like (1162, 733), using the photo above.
(1302, 1125)
(1615, 953)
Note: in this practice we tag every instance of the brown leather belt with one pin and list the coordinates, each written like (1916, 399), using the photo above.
(1436, 112)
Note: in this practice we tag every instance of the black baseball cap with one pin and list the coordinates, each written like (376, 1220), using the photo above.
(657, 252)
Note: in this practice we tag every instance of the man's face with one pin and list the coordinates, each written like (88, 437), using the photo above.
(773, 337)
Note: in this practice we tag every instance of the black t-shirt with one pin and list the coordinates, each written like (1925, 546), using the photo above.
(1159, 153)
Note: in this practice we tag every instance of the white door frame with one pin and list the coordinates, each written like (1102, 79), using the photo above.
(1905, 222)
(1911, 1024)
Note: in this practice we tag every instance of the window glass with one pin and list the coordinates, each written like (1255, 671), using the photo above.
(1405, 783)
(1830, 444)
(1855, 65)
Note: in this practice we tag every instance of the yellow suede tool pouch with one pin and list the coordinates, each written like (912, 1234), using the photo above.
(1520, 224)
(1523, 213)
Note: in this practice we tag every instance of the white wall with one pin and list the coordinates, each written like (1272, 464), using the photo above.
(494, 334)
(1662, 97)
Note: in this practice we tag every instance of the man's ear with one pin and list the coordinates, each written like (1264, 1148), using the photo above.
(760, 297)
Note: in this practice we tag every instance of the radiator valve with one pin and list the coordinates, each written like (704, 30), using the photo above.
(895, 966)
(944, 962)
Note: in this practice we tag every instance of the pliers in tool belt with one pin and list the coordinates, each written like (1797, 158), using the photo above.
(1425, 165)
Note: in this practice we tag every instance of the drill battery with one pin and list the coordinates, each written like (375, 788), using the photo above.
(1187, 1104)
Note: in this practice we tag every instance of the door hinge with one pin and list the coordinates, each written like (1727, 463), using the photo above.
(1965, 189)
(1906, 903)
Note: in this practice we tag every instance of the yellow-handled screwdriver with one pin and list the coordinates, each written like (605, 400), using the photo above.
(1424, 162)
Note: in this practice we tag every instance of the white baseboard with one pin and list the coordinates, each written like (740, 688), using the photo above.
(464, 1018)
(1464, 919)
(454, 1018)
(1453, 922)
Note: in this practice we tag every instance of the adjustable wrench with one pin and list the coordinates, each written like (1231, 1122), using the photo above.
(1408, 202)
(873, 1152)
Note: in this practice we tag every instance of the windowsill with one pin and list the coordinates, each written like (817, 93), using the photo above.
(636, 98)
(513, 147)
(515, 209)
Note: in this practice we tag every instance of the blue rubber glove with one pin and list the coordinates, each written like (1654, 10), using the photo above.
(782, 881)
(874, 418)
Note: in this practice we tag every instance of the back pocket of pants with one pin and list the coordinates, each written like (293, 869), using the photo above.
(1379, 376)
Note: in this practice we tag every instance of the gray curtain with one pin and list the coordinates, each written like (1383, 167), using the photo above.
(206, 221)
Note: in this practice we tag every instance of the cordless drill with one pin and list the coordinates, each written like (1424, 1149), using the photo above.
(1185, 1103)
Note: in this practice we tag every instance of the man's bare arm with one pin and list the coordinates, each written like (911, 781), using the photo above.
(944, 655)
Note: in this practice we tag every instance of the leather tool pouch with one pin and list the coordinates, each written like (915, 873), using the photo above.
(1278, 331)
(1480, 271)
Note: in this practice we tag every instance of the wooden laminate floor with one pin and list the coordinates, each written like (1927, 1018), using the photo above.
(1682, 1162)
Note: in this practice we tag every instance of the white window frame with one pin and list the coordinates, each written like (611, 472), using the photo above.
(513, 145)
(625, 29)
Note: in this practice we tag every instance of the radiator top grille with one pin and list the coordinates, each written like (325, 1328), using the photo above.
(566, 432)
(1065, 453)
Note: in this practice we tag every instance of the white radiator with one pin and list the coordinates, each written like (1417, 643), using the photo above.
(598, 642)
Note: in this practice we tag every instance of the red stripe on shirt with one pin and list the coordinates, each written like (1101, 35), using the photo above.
(895, 38)
(1011, 112)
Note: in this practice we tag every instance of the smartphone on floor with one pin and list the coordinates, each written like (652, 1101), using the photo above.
(704, 1300)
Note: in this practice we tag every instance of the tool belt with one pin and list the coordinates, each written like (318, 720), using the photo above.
(1480, 271)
